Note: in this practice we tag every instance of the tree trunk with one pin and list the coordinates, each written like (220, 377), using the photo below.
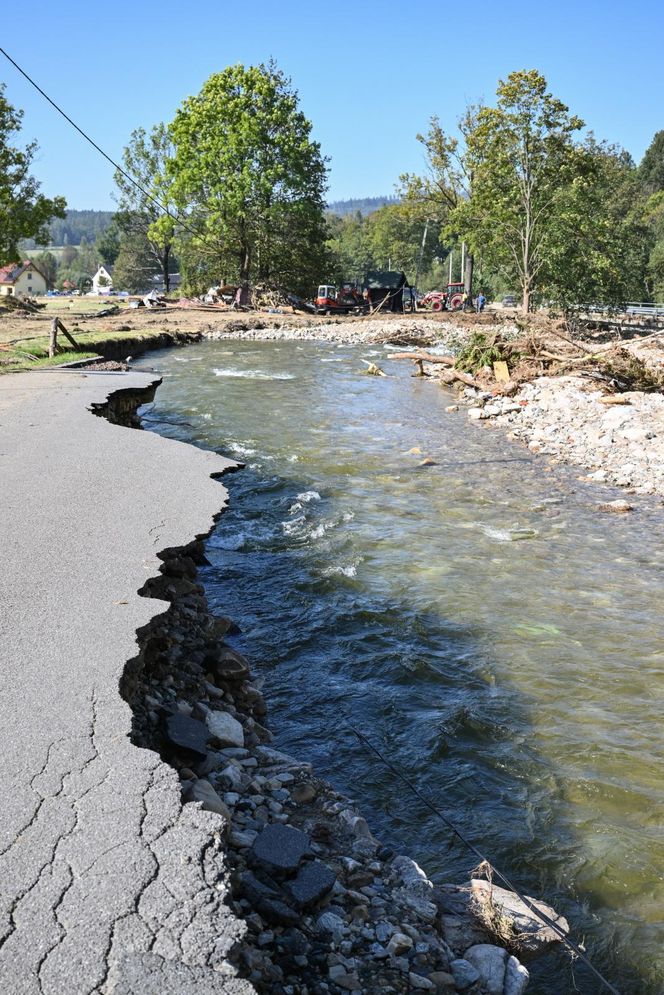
(165, 260)
(468, 276)
(526, 298)
(245, 264)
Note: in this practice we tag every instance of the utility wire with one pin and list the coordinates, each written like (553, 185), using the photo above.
(146, 194)
(542, 916)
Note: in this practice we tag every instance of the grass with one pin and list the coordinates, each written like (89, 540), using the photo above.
(30, 354)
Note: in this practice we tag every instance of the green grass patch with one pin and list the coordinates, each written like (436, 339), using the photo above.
(31, 354)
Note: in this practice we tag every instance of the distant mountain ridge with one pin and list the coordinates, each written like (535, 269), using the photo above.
(75, 226)
(365, 205)
(88, 224)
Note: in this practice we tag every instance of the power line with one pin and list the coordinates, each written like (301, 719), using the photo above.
(128, 176)
(542, 916)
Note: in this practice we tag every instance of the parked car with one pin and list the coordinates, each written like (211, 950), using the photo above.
(509, 300)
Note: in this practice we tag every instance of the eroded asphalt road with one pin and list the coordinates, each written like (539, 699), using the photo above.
(107, 884)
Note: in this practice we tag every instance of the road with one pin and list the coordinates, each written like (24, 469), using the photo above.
(107, 883)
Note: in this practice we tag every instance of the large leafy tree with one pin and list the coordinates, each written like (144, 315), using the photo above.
(24, 211)
(522, 157)
(147, 209)
(250, 180)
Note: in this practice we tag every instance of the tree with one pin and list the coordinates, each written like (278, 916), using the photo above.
(134, 266)
(24, 212)
(651, 170)
(47, 264)
(522, 157)
(107, 244)
(147, 158)
(250, 180)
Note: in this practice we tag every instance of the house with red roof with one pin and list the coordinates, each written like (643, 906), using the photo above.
(22, 278)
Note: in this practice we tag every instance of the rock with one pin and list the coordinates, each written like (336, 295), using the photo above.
(531, 935)
(489, 961)
(462, 903)
(189, 735)
(427, 461)
(412, 877)
(280, 849)
(476, 414)
(268, 901)
(225, 728)
(618, 507)
(399, 944)
(331, 924)
(516, 978)
(312, 883)
(451, 408)
(420, 982)
(598, 475)
(202, 791)
(464, 974)
(303, 793)
(349, 982)
(442, 980)
(227, 664)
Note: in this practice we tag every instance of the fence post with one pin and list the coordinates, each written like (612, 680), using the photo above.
(53, 338)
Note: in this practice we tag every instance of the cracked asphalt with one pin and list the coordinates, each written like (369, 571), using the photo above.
(107, 883)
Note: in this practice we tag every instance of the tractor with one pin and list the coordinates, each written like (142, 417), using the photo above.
(450, 299)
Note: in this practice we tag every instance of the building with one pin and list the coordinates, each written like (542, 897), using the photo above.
(384, 290)
(22, 278)
(102, 281)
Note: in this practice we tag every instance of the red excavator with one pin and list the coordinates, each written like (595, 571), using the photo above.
(346, 300)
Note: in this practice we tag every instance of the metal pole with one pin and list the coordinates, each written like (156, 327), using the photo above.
(419, 258)
(463, 259)
(451, 254)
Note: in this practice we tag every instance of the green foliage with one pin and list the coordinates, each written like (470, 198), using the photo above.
(108, 244)
(24, 212)
(135, 265)
(47, 264)
(483, 350)
(651, 170)
(250, 180)
(148, 159)
(359, 205)
(541, 210)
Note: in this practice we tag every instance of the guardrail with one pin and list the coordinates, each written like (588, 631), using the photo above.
(632, 308)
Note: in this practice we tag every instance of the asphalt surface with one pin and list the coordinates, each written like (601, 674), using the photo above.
(107, 883)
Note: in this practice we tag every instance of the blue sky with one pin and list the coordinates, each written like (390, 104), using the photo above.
(369, 74)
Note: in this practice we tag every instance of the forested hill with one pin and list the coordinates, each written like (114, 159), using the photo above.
(76, 225)
(365, 205)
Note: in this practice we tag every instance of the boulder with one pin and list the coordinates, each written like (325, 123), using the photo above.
(224, 728)
(489, 961)
(464, 974)
(311, 884)
(227, 664)
(516, 978)
(280, 849)
(202, 791)
(469, 905)
(187, 735)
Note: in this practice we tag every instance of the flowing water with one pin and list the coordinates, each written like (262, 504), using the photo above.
(496, 635)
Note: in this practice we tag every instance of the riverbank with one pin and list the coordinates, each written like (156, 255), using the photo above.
(328, 909)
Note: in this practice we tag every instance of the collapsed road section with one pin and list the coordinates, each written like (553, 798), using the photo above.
(94, 839)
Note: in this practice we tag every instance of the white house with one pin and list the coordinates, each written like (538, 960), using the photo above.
(102, 281)
(22, 278)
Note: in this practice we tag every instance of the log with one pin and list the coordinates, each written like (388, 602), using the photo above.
(425, 357)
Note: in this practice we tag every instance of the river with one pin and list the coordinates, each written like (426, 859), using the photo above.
(492, 631)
